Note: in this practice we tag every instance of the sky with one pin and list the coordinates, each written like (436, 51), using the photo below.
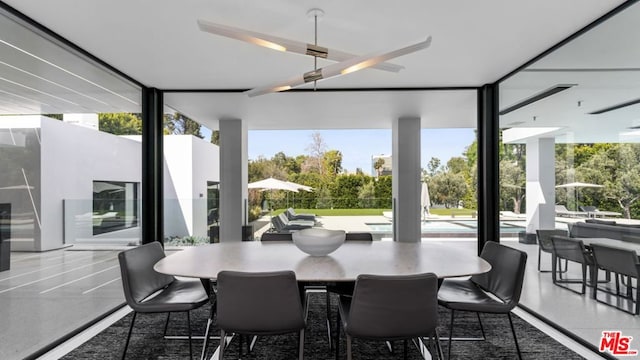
(358, 146)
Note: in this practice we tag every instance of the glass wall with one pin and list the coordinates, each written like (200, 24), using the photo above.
(570, 155)
(71, 177)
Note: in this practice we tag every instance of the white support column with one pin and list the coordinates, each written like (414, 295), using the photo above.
(233, 178)
(541, 179)
(406, 179)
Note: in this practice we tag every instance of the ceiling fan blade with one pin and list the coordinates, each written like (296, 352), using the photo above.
(280, 44)
(342, 68)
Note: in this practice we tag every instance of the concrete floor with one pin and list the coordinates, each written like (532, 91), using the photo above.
(46, 295)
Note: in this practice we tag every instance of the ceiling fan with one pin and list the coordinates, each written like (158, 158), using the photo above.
(346, 62)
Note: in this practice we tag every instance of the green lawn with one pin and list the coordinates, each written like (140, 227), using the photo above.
(369, 212)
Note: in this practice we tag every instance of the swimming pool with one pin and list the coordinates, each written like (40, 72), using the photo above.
(454, 228)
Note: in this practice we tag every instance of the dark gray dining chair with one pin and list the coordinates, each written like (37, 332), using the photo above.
(390, 308)
(545, 244)
(571, 249)
(621, 262)
(140, 281)
(496, 292)
(276, 310)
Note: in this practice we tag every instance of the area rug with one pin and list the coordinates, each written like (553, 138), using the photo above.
(147, 341)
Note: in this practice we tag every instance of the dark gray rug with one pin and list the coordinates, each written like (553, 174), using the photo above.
(147, 341)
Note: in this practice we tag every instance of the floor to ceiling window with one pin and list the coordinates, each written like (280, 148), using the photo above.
(71, 179)
(570, 154)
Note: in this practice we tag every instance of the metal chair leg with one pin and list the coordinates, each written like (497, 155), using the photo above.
(404, 348)
(329, 320)
(223, 343)
(166, 324)
(484, 337)
(438, 347)
(301, 345)
(450, 333)
(126, 344)
(189, 330)
(515, 338)
(338, 325)
(349, 340)
(206, 332)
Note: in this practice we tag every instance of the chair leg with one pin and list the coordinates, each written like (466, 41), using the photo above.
(349, 340)
(515, 338)
(329, 320)
(126, 344)
(223, 343)
(450, 333)
(166, 324)
(301, 345)
(206, 332)
(337, 343)
(438, 347)
(189, 330)
(484, 337)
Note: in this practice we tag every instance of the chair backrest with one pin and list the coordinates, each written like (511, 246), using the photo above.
(277, 223)
(259, 303)
(283, 218)
(544, 238)
(506, 276)
(276, 237)
(290, 213)
(618, 260)
(358, 236)
(570, 249)
(394, 307)
(139, 280)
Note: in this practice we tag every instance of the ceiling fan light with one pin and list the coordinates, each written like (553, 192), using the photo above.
(313, 75)
(356, 67)
(268, 44)
(282, 88)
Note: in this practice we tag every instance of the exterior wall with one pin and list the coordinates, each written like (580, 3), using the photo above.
(60, 163)
(189, 163)
(72, 158)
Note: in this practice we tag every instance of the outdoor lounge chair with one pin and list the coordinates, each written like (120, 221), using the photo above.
(562, 210)
(282, 224)
(291, 215)
(593, 211)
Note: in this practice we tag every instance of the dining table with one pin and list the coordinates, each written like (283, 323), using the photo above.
(353, 258)
(345, 264)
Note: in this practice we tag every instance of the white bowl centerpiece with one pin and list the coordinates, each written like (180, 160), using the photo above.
(317, 241)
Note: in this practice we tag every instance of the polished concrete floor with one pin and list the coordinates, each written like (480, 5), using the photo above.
(46, 295)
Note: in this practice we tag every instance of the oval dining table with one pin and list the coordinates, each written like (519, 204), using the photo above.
(345, 264)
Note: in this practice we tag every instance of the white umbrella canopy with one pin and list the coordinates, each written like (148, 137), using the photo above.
(425, 200)
(577, 185)
(273, 184)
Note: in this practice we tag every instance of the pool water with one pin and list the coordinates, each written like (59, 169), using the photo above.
(454, 227)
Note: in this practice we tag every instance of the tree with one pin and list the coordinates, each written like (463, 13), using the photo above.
(447, 188)
(120, 123)
(332, 162)
(316, 150)
(378, 165)
(367, 194)
(512, 179)
(215, 137)
(618, 169)
(433, 166)
(180, 124)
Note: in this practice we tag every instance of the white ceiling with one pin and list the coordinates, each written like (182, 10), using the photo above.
(157, 42)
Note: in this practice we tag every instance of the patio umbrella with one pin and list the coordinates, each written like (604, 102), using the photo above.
(273, 184)
(425, 200)
(577, 185)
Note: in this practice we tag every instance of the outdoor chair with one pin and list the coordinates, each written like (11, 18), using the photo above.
(572, 250)
(390, 308)
(292, 215)
(276, 237)
(562, 210)
(258, 304)
(140, 281)
(497, 291)
(545, 244)
(621, 262)
(282, 224)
